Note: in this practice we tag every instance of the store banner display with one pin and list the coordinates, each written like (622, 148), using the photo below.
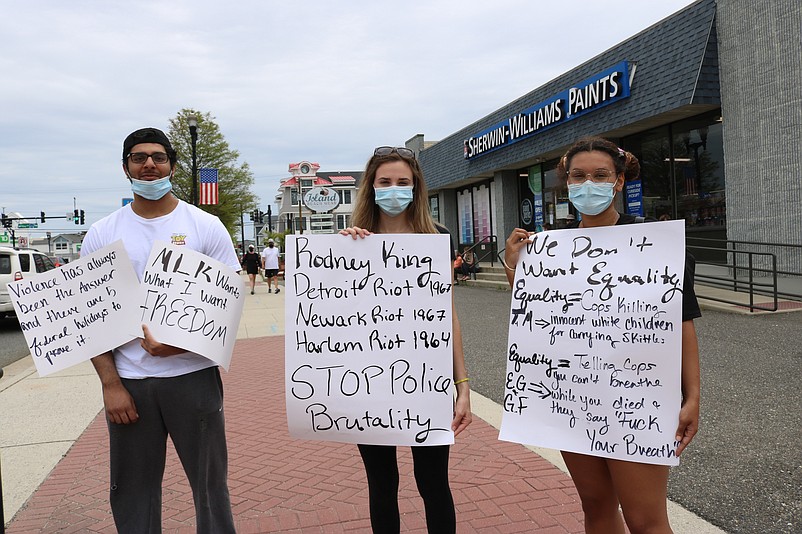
(606, 87)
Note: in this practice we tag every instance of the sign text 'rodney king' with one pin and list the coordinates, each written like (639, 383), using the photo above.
(594, 350)
(368, 340)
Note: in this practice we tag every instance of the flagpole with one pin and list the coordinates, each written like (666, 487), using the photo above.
(193, 134)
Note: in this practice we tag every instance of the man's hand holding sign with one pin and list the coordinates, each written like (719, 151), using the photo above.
(190, 302)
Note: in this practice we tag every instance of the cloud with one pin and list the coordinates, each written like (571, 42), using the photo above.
(286, 81)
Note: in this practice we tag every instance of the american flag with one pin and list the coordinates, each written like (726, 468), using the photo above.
(208, 186)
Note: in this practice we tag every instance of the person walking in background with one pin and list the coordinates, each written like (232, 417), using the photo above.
(250, 260)
(595, 170)
(152, 390)
(393, 200)
(270, 264)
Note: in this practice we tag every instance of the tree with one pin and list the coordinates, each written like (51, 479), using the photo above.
(212, 152)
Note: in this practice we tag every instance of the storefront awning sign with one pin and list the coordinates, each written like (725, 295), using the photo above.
(606, 87)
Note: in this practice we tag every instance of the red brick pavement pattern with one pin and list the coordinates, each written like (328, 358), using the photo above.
(279, 484)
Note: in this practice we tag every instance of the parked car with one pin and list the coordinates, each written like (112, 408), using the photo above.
(58, 261)
(16, 264)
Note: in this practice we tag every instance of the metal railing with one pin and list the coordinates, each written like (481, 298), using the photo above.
(487, 240)
(746, 271)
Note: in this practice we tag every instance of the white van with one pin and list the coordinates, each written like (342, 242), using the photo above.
(15, 265)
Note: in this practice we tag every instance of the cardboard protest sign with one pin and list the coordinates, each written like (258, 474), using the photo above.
(368, 343)
(594, 351)
(77, 311)
(191, 301)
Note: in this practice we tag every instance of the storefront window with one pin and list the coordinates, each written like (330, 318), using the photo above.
(465, 214)
(653, 152)
(434, 207)
(682, 171)
(528, 183)
(699, 172)
(556, 208)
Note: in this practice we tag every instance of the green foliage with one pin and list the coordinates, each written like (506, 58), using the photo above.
(277, 237)
(212, 152)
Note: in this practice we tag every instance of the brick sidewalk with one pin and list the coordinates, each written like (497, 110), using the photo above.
(279, 484)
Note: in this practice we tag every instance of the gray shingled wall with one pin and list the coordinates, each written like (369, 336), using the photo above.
(760, 61)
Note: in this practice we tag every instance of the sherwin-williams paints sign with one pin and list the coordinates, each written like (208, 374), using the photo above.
(589, 95)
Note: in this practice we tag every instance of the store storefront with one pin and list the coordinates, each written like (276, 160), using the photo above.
(655, 95)
(710, 109)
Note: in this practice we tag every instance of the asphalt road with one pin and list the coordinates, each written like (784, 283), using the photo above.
(743, 471)
(12, 342)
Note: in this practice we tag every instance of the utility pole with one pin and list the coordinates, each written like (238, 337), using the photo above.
(242, 228)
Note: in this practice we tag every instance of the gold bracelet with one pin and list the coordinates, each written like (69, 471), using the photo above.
(504, 263)
(460, 381)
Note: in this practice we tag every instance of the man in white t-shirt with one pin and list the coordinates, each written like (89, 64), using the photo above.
(270, 265)
(152, 390)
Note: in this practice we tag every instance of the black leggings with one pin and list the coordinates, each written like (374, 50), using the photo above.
(431, 476)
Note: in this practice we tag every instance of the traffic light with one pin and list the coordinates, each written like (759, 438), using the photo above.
(42, 216)
(261, 217)
(75, 216)
(82, 216)
(6, 221)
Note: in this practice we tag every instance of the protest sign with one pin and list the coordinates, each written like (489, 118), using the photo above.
(191, 301)
(78, 311)
(369, 341)
(594, 350)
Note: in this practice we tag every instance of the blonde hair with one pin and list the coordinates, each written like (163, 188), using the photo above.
(366, 213)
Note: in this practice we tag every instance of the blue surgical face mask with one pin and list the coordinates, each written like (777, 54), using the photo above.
(151, 189)
(591, 198)
(393, 200)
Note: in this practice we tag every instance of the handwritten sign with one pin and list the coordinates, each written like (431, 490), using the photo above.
(369, 339)
(191, 301)
(78, 311)
(594, 352)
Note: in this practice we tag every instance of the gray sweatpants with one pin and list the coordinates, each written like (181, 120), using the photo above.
(189, 409)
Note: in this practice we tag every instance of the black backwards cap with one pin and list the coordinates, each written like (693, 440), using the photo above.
(148, 135)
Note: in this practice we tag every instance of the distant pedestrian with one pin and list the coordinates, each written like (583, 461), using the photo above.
(393, 200)
(595, 170)
(250, 260)
(152, 390)
(270, 264)
(468, 265)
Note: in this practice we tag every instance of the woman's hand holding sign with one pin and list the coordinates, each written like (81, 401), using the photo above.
(462, 410)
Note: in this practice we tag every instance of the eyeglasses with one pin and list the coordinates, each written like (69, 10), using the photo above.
(401, 151)
(599, 175)
(141, 157)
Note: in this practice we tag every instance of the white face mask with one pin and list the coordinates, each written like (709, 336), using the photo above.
(151, 189)
(393, 200)
(591, 198)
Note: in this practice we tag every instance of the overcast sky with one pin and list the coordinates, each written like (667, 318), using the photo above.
(319, 80)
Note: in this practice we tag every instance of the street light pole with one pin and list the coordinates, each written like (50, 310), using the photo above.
(193, 134)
